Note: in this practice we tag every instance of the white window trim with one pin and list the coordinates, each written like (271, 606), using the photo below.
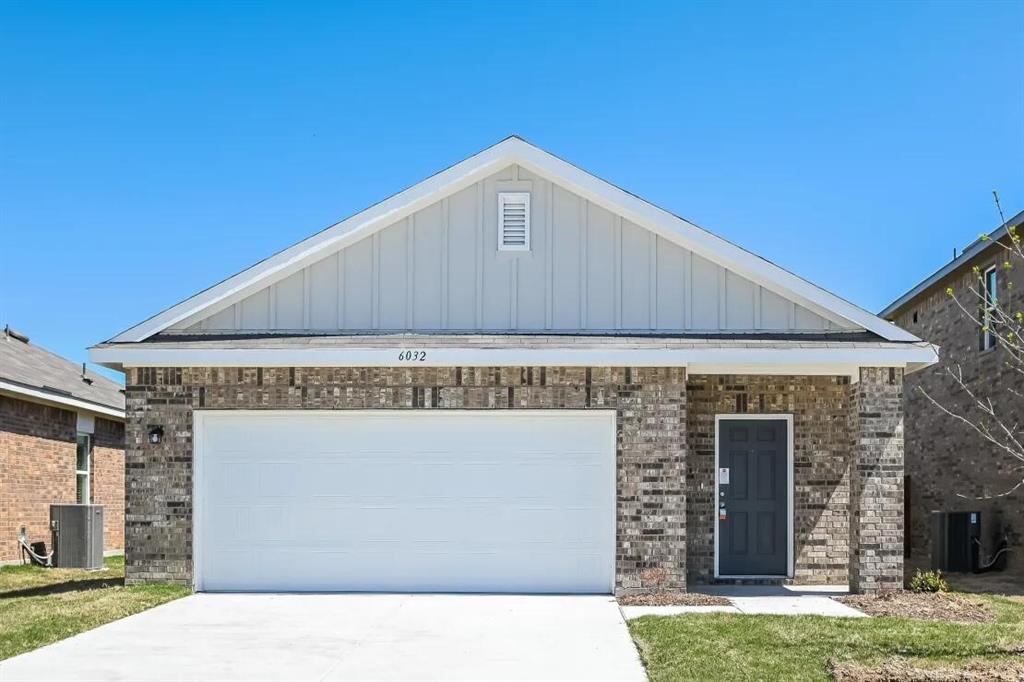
(788, 418)
(86, 423)
(988, 304)
(517, 198)
(87, 472)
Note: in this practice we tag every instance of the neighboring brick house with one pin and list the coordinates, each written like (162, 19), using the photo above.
(514, 377)
(948, 464)
(61, 441)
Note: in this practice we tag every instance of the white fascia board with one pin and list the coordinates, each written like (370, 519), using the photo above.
(722, 360)
(706, 244)
(458, 177)
(40, 396)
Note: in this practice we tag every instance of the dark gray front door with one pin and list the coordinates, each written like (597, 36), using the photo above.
(753, 505)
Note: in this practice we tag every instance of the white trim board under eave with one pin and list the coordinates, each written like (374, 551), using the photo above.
(70, 402)
(831, 361)
(515, 151)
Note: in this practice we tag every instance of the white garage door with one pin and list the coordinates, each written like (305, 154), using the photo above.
(445, 501)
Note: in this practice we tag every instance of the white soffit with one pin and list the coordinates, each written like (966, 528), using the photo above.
(514, 150)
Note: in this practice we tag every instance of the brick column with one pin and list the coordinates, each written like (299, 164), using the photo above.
(158, 477)
(876, 481)
(651, 414)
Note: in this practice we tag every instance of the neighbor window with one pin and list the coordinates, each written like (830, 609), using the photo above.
(990, 287)
(83, 469)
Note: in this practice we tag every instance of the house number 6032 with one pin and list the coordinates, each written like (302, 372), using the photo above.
(412, 356)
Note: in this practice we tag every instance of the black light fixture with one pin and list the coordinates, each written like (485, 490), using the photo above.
(156, 433)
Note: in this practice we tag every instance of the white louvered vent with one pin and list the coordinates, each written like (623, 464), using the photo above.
(514, 221)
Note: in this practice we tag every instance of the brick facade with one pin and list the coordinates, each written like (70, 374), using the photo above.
(950, 467)
(108, 479)
(650, 406)
(37, 468)
(876, 512)
(665, 450)
(821, 462)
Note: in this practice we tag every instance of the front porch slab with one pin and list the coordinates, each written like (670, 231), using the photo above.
(774, 600)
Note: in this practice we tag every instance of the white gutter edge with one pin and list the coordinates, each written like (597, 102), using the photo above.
(41, 396)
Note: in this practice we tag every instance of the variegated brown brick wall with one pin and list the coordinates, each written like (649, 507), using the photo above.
(876, 515)
(650, 405)
(820, 406)
(952, 468)
(665, 451)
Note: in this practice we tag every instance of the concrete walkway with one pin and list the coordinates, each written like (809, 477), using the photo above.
(783, 600)
(248, 637)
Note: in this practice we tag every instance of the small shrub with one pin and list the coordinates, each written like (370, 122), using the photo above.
(929, 581)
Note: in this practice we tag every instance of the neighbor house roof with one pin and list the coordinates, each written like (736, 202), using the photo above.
(978, 247)
(514, 150)
(33, 373)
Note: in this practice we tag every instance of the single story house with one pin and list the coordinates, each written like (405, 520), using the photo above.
(949, 466)
(514, 377)
(61, 441)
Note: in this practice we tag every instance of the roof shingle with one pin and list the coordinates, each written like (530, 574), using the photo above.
(31, 366)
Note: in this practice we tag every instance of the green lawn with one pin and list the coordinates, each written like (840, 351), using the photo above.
(737, 647)
(39, 606)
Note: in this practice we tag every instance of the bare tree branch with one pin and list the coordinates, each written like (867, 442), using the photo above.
(993, 411)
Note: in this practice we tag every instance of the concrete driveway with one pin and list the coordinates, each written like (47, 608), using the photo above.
(349, 637)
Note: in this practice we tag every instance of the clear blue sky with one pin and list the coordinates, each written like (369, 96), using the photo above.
(149, 151)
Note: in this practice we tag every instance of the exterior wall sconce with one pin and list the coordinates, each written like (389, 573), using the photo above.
(156, 434)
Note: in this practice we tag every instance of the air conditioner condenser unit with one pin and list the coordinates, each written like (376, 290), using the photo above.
(955, 541)
(77, 531)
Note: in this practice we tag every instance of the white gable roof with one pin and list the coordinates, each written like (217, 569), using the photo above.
(514, 150)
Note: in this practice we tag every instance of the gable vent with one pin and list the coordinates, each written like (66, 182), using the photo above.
(514, 221)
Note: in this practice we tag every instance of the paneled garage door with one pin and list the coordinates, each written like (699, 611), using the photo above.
(426, 500)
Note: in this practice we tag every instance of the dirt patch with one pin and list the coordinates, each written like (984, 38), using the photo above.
(900, 670)
(951, 608)
(672, 598)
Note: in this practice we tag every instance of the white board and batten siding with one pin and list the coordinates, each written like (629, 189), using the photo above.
(586, 269)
